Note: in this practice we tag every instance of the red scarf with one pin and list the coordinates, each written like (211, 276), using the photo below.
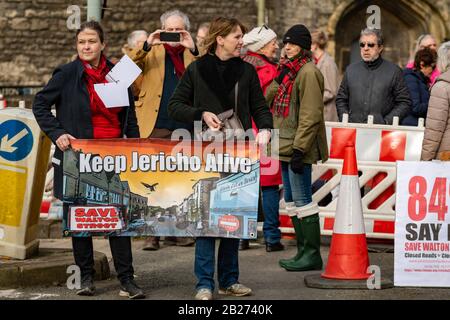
(105, 121)
(176, 55)
(283, 95)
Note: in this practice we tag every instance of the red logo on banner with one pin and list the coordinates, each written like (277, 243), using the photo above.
(393, 145)
(229, 223)
(339, 139)
(94, 218)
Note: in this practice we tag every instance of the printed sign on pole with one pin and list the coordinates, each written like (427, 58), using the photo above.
(162, 188)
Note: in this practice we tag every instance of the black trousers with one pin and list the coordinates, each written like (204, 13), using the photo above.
(83, 253)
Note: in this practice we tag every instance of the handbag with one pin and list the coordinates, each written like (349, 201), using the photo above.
(231, 124)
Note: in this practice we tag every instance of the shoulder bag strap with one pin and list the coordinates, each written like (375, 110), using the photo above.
(236, 88)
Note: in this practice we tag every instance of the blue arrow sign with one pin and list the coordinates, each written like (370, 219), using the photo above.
(16, 140)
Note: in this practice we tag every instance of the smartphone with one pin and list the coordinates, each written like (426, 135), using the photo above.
(170, 36)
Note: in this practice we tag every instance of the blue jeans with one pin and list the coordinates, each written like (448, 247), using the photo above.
(297, 187)
(227, 266)
(271, 206)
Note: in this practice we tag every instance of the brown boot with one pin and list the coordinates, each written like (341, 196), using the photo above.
(151, 244)
(170, 241)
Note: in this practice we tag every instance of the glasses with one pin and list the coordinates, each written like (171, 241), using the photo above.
(263, 26)
(370, 45)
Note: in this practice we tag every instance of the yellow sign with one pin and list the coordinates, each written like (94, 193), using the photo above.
(13, 181)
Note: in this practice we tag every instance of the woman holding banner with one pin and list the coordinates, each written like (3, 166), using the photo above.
(80, 113)
(208, 88)
(296, 98)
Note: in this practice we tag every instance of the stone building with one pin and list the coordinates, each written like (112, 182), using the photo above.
(34, 37)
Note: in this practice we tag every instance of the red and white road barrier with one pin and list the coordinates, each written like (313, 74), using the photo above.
(3, 102)
(378, 147)
(45, 207)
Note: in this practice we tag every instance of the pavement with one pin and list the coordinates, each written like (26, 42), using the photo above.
(48, 267)
(167, 274)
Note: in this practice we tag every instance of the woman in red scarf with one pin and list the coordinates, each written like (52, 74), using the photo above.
(80, 113)
(296, 99)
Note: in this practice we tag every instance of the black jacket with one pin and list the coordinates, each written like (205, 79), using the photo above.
(68, 92)
(202, 89)
(375, 88)
(419, 92)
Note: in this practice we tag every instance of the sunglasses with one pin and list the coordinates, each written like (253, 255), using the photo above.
(370, 45)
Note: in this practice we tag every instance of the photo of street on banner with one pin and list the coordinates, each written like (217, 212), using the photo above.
(154, 187)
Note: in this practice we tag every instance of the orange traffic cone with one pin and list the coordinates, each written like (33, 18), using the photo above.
(348, 258)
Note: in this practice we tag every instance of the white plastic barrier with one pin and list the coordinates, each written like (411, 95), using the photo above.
(3, 102)
(378, 147)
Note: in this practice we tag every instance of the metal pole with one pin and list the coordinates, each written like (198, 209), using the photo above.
(261, 4)
(94, 10)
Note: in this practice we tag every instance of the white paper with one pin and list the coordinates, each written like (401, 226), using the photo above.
(112, 94)
(120, 78)
(124, 72)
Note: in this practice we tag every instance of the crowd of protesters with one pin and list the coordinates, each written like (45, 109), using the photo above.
(295, 91)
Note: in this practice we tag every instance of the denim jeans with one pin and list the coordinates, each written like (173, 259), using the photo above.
(271, 206)
(227, 266)
(297, 187)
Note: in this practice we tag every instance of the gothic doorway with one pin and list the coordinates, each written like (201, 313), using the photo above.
(402, 22)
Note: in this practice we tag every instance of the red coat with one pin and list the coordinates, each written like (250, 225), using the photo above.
(266, 71)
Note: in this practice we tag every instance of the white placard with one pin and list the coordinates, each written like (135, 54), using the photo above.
(112, 94)
(422, 246)
(124, 72)
(94, 218)
(120, 78)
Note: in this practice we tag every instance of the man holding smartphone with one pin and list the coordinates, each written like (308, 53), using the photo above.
(163, 59)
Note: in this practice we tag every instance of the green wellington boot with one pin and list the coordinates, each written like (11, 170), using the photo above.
(310, 259)
(299, 239)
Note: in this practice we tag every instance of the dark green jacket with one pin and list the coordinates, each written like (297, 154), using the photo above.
(304, 130)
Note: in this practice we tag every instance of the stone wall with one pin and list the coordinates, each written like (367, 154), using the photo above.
(314, 14)
(34, 37)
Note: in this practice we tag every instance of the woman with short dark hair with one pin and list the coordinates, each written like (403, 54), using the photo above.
(417, 80)
(425, 41)
(80, 113)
